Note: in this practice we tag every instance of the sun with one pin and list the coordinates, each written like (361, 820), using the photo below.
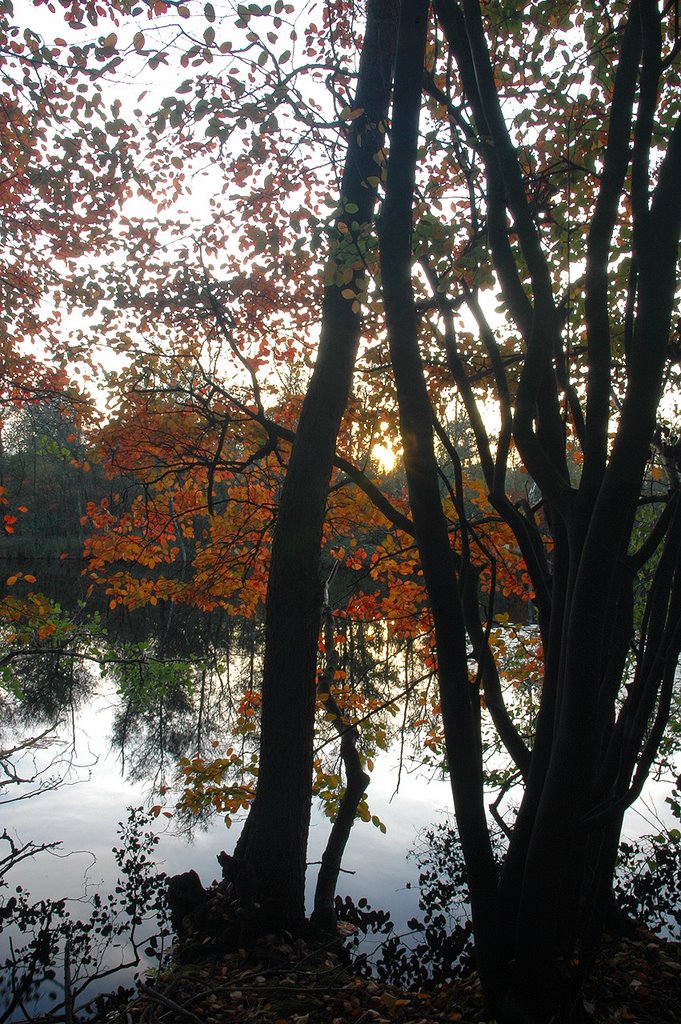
(385, 456)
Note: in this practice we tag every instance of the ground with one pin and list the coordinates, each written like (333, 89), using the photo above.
(637, 980)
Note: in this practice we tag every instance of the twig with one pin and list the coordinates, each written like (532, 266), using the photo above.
(170, 1004)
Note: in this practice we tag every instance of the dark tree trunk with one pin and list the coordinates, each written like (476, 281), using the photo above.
(356, 781)
(589, 757)
(537, 931)
(272, 848)
(460, 701)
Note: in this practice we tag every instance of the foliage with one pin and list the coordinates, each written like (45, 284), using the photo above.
(208, 786)
(438, 945)
(648, 874)
(647, 882)
(53, 955)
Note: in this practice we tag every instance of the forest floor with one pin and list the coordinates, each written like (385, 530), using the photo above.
(636, 980)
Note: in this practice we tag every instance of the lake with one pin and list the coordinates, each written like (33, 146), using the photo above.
(122, 748)
(114, 750)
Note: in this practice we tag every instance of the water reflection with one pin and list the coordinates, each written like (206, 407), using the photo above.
(171, 684)
(52, 688)
(184, 684)
(175, 684)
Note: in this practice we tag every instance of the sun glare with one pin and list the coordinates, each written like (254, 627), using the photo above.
(385, 456)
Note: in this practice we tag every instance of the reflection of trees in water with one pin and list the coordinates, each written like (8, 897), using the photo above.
(180, 679)
(37, 726)
(171, 708)
(208, 702)
(53, 688)
(152, 738)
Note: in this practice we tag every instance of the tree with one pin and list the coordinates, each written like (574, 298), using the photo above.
(65, 169)
(607, 685)
(605, 695)
(67, 161)
(274, 840)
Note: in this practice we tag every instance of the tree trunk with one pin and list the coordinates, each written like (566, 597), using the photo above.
(536, 934)
(356, 781)
(273, 845)
(460, 701)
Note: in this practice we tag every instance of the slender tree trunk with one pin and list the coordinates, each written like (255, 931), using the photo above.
(273, 845)
(356, 782)
(460, 701)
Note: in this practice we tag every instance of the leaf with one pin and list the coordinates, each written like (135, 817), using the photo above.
(348, 114)
(138, 40)
(209, 12)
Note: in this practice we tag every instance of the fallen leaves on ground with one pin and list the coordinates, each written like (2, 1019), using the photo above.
(636, 981)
